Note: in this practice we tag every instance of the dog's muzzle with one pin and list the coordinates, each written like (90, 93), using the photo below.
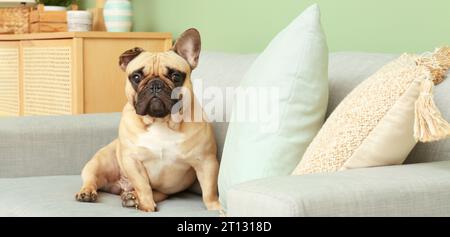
(154, 99)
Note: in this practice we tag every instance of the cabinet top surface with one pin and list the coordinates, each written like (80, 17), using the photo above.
(92, 34)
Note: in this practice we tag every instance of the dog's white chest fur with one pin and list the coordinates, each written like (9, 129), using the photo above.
(162, 142)
(165, 158)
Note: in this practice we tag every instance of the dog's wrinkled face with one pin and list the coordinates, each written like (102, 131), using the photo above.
(152, 77)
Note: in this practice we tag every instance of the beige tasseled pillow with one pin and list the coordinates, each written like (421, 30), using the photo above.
(381, 120)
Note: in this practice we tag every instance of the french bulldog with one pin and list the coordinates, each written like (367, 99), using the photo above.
(155, 156)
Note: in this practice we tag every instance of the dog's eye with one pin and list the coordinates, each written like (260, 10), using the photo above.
(136, 77)
(176, 77)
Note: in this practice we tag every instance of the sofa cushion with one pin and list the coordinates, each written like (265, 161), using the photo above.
(52, 145)
(54, 196)
(295, 66)
(396, 191)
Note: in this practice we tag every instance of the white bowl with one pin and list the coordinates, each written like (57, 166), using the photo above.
(79, 21)
(79, 14)
(79, 27)
(54, 8)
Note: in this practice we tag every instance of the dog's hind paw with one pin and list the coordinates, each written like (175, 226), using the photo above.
(86, 195)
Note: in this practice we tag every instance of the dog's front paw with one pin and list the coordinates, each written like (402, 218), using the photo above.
(86, 195)
(130, 199)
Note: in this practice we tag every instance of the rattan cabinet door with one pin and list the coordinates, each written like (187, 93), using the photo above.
(47, 77)
(9, 79)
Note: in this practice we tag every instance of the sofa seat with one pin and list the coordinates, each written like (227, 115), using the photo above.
(54, 196)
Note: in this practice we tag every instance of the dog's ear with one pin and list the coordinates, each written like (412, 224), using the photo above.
(189, 46)
(128, 56)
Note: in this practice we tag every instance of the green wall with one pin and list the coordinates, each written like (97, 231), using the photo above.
(248, 25)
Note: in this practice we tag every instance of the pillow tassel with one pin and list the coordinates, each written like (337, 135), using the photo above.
(438, 63)
(429, 125)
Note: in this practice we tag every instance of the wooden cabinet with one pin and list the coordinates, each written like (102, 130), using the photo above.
(9, 78)
(67, 73)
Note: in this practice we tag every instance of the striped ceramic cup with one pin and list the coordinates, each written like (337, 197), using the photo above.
(118, 15)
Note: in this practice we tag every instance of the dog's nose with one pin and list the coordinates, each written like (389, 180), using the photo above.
(156, 86)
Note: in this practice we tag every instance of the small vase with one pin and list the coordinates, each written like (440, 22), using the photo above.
(118, 15)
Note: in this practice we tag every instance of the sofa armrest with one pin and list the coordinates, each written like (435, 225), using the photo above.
(408, 190)
(52, 145)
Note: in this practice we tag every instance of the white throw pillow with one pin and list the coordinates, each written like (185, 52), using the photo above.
(296, 64)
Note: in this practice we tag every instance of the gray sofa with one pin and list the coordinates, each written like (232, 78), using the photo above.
(41, 158)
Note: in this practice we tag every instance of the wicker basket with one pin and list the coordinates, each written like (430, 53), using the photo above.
(15, 20)
(48, 21)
